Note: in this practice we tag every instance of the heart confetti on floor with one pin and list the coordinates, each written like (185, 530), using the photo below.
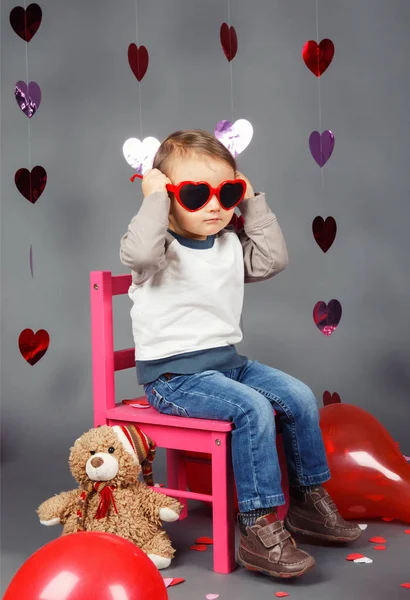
(364, 559)
(354, 556)
(387, 519)
(204, 540)
(281, 594)
(377, 540)
(407, 531)
(212, 596)
(363, 526)
(379, 547)
(199, 547)
(171, 581)
(405, 585)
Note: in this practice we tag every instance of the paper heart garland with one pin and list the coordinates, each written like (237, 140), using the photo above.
(31, 185)
(32, 345)
(318, 57)
(234, 136)
(26, 22)
(28, 98)
(324, 232)
(140, 155)
(327, 316)
(321, 146)
(229, 41)
(329, 398)
(138, 60)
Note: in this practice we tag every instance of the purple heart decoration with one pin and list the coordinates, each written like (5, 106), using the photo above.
(324, 232)
(321, 146)
(26, 22)
(234, 136)
(31, 185)
(28, 97)
(327, 316)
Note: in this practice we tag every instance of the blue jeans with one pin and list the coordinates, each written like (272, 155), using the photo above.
(246, 396)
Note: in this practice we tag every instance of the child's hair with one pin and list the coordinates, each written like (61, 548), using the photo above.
(190, 142)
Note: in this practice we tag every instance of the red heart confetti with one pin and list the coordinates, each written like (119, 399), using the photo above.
(407, 531)
(324, 232)
(377, 540)
(171, 581)
(137, 403)
(199, 547)
(26, 22)
(329, 398)
(281, 594)
(405, 585)
(229, 41)
(32, 345)
(31, 185)
(204, 540)
(318, 57)
(379, 547)
(387, 519)
(138, 60)
(354, 556)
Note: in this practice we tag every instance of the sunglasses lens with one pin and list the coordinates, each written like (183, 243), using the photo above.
(194, 196)
(231, 193)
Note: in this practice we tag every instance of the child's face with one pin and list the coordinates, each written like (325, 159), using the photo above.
(194, 224)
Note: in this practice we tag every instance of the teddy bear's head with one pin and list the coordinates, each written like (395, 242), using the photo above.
(116, 454)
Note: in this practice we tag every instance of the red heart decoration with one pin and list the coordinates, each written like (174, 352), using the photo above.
(32, 345)
(377, 540)
(405, 585)
(199, 547)
(379, 547)
(329, 398)
(204, 540)
(281, 594)
(318, 57)
(31, 185)
(324, 232)
(354, 556)
(327, 316)
(26, 22)
(138, 60)
(229, 41)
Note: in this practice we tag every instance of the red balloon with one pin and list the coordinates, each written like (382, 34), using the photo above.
(370, 476)
(88, 565)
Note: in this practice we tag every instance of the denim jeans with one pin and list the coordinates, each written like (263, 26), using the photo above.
(246, 396)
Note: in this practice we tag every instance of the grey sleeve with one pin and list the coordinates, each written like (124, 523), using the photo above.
(264, 249)
(142, 247)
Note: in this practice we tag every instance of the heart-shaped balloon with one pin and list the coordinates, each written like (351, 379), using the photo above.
(318, 57)
(26, 22)
(32, 345)
(31, 185)
(329, 398)
(327, 316)
(321, 146)
(140, 155)
(138, 60)
(28, 98)
(234, 136)
(229, 41)
(324, 232)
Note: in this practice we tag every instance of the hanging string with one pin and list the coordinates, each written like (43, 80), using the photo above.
(29, 228)
(318, 83)
(138, 66)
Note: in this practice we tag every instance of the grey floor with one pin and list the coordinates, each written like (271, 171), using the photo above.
(333, 579)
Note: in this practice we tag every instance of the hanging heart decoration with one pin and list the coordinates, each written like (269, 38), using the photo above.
(327, 316)
(234, 136)
(26, 22)
(140, 154)
(229, 41)
(324, 232)
(321, 146)
(31, 185)
(318, 57)
(32, 345)
(329, 398)
(138, 60)
(28, 97)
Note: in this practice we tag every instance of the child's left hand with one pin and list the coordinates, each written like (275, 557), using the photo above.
(249, 189)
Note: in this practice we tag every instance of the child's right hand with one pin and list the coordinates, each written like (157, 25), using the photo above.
(154, 181)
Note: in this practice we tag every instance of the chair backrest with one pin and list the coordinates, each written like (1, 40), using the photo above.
(106, 360)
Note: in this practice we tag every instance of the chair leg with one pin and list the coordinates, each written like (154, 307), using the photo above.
(222, 504)
(282, 510)
(176, 477)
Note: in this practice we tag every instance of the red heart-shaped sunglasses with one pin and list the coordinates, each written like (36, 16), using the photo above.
(194, 195)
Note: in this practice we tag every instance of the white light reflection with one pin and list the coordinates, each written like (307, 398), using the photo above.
(364, 459)
(60, 587)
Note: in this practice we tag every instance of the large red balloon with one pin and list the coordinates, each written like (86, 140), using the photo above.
(88, 566)
(370, 476)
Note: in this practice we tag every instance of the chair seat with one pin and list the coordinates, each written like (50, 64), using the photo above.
(122, 412)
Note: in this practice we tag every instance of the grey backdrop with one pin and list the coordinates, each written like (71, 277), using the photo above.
(90, 107)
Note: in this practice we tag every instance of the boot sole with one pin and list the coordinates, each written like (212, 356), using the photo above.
(320, 536)
(282, 575)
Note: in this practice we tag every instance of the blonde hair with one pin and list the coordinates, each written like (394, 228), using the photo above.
(187, 142)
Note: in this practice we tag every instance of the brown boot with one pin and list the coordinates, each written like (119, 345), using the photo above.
(267, 547)
(314, 514)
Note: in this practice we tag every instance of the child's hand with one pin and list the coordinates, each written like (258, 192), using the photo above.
(249, 189)
(154, 181)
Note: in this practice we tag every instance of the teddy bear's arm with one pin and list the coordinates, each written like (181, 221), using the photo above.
(158, 506)
(56, 509)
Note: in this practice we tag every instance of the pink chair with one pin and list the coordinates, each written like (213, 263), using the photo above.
(176, 434)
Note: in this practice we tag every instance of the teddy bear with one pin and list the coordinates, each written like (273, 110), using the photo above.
(106, 462)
